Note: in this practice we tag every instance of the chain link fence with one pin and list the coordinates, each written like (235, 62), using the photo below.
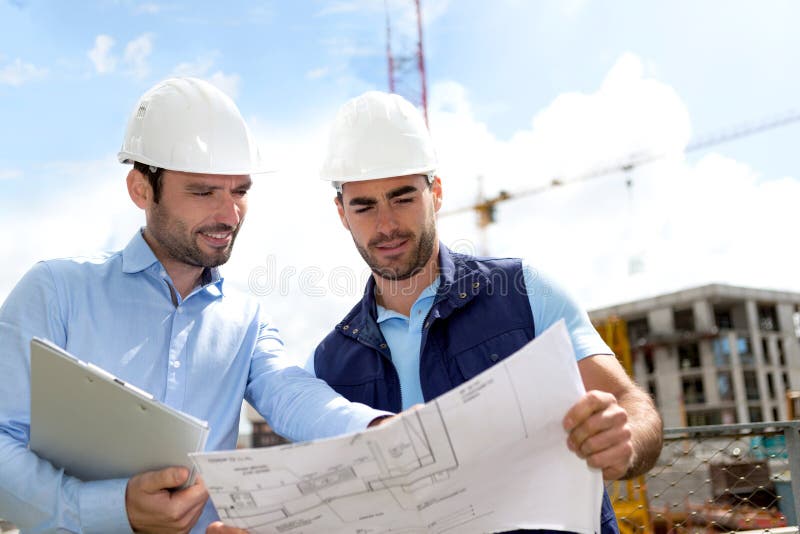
(721, 478)
(710, 479)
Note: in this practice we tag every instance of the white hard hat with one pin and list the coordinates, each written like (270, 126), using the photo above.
(187, 124)
(378, 135)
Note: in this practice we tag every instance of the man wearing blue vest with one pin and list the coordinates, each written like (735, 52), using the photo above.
(431, 319)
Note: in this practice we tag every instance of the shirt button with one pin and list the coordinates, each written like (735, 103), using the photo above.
(176, 364)
(462, 295)
(476, 285)
(494, 357)
(355, 330)
(383, 345)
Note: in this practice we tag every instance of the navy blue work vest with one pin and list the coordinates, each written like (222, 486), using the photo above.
(481, 314)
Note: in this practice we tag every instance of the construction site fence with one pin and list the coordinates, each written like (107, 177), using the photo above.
(719, 478)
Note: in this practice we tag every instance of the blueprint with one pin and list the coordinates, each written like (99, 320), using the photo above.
(488, 456)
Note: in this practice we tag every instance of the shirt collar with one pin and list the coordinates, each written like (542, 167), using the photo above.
(385, 313)
(137, 256)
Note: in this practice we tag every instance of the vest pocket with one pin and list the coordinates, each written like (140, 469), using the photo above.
(479, 357)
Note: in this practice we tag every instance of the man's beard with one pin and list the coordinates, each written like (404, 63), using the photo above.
(181, 245)
(415, 263)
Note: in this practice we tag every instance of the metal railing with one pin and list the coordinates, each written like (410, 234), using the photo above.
(720, 478)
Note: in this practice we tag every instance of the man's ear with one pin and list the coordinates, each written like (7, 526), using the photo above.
(340, 209)
(139, 189)
(436, 189)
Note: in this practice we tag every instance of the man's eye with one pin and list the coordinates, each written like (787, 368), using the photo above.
(202, 193)
(364, 209)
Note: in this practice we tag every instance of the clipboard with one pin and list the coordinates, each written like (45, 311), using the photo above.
(95, 426)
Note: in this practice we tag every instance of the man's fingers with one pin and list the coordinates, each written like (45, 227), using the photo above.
(155, 481)
(196, 493)
(600, 430)
(603, 440)
(591, 402)
(614, 461)
(218, 528)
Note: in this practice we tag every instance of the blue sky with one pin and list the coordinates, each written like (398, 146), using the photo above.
(521, 91)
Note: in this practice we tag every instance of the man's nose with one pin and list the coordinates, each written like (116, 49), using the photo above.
(386, 222)
(229, 212)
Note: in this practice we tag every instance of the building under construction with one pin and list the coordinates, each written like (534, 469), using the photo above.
(715, 354)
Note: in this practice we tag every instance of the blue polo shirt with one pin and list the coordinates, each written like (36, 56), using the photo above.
(549, 303)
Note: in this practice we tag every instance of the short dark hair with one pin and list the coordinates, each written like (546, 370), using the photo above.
(154, 176)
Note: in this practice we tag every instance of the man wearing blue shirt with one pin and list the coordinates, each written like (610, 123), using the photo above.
(158, 315)
(430, 319)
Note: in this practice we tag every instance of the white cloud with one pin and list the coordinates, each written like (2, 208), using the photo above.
(58, 225)
(692, 222)
(572, 8)
(585, 235)
(316, 74)
(136, 55)
(10, 174)
(101, 56)
(17, 73)
(200, 66)
(716, 220)
(402, 12)
(149, 8)
(336, 8)
(228, 83)
(347, 47)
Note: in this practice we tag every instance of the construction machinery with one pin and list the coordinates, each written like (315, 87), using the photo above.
(629, 497)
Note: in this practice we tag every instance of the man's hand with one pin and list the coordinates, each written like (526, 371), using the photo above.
(152, 507)
(382, 420)
(218, 528)
(599, 432)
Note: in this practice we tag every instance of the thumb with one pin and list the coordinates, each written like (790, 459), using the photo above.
(171, 477)
(218, 528)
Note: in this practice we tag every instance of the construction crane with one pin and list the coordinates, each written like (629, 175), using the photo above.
(486, 207)
(405, 55)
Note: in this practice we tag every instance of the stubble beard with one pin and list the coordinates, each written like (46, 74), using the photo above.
(181, 245)
(416, 262)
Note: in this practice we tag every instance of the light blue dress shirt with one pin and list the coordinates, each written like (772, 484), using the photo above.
(549, 302)
(201, 356)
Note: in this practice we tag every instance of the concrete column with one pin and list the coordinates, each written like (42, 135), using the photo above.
(668, 383)
(737, 378)
(754, 333)
(703, 316)
(785, 314)
(777, 376)
(661, 321)
(709, 372)
(639, 368)
(667, 371)
(791, 344)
